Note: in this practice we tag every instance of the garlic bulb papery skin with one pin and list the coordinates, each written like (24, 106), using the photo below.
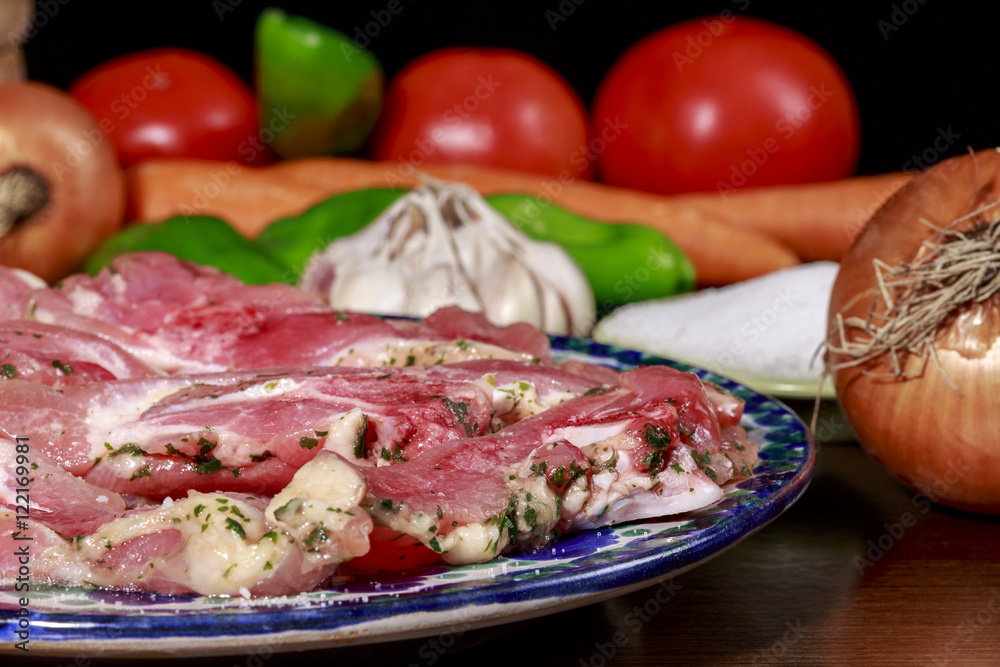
(442, 245)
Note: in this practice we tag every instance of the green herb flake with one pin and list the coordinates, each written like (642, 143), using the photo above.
(212, 465)
(199, 509)
(127, 448)
(66, 369)
(656, 436)
(305, 442)
(461, 412)
(360, 437)
(8, 370)
(235, 526)
(654, 462)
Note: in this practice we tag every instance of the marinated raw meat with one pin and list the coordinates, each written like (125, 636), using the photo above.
(193, 434)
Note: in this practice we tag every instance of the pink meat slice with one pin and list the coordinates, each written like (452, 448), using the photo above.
(453, 322)
(652, 446)
(184, 318)
(59, 356)
(16, 289)
(156, 555)
(66, 504)
(188, 428)
(169, 313)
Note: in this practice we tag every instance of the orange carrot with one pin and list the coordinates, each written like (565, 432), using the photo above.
(251, 198)
(819, 221)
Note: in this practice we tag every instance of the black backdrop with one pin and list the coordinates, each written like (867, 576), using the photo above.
(920, 68)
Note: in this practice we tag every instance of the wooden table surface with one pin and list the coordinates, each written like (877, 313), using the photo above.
(860, 571)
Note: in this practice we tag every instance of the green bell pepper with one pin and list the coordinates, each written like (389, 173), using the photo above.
(317, 92)
(294, 239)
(623, 262)
(199, 239)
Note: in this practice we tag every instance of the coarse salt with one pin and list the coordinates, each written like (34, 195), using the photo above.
(766, 329)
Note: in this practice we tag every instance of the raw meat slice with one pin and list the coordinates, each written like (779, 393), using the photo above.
(16, 289)
(183, 318)
(244, 431)
(59, 356)
(651, 447)
(208, 543)
(252, 430)
(66, 504)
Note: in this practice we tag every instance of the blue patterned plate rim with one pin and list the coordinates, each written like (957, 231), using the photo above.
(573, 571)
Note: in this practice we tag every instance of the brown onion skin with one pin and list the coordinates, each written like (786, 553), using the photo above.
(940, 442)
(41, 127)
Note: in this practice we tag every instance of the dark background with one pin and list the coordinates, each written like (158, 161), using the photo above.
(934, 74)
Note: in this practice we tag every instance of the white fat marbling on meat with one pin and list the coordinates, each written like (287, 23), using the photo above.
(345, 432)
(226, 543)
(395, 351)
(320, 508)
(587, 434)
(104, 417)
(86, 302)
(519, 399)
(625, 491)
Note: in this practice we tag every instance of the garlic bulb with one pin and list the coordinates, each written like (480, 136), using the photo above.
(443, 245)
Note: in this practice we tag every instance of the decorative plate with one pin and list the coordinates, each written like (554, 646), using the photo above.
(574, 571)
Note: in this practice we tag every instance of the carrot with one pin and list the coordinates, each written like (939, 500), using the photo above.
(250, 198)
(819, 221)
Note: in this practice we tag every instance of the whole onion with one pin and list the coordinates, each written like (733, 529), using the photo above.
(62, 192)
(914, 320)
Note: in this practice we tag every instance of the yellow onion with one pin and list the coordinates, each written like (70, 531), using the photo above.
(914, 320)
(62, 192)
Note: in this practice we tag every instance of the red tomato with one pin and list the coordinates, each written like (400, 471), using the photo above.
(172, 103)
(713, 104)
(492, 107)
